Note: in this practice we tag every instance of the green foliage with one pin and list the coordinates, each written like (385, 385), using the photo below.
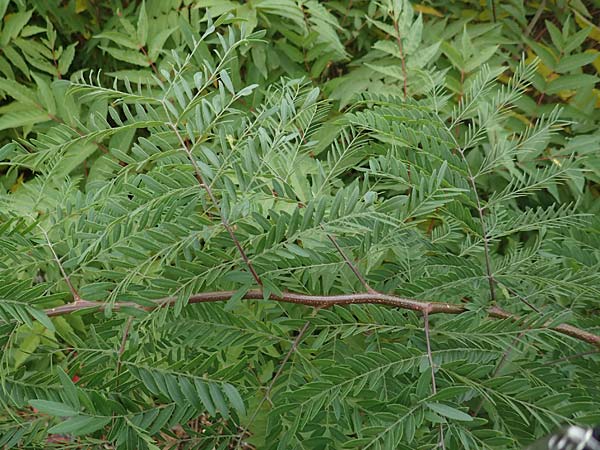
(272, 149)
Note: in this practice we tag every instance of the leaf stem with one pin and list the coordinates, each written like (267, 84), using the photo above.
(214, 201)
(403, 62)
(123, 343)
(441, 442)
(74, 292)
(350, 264)
(291, 351)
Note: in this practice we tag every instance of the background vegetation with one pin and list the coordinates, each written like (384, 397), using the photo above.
(298, 224)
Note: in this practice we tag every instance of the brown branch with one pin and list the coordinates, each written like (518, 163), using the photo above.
(324, 301)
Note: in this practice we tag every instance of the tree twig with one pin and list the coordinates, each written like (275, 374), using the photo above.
(570, 357)
(349, 263)
(521, 298)
(275, 378)
(324, 301)
(123, 343)
(505, 356)
(401, 50)
(536, 17)
(441, 442)
(74, 293)
(429, 353)
(213, 199)
(507, 352)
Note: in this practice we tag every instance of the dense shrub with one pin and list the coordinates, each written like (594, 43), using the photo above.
(298, 224)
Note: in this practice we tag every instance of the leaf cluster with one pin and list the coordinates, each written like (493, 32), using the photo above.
(163, 164)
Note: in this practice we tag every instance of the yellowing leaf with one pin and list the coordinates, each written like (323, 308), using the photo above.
(596, 62)
(584, 23)
(597, 94)
(424, 9)
(522, 117)
(542, 68)
(80, 6)
(566, 95)
(17, 184)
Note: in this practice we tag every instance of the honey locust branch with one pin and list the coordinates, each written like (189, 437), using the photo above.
(323, 301)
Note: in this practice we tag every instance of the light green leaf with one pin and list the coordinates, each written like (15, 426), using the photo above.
(13, 25)
(157, 42)
(449, 412)
(119, 38)
(16, 59)
(142, 25)
(234, 397)
(481, 56)
(226, 81)
(572, 62)
(218, 400)
(41, 316)
(3, 6)
(53, 408)
(70, 390)
(45, 92)
(236, 298)
(66, 59)
(22, 116)
(129, 56)
(18, 91)
(205, 397)
(80, 425)
(571, 82)
(453, 55)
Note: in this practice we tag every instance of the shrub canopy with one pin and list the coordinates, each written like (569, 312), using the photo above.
(298, 224)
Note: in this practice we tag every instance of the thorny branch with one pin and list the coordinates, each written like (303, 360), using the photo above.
(325, 301)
